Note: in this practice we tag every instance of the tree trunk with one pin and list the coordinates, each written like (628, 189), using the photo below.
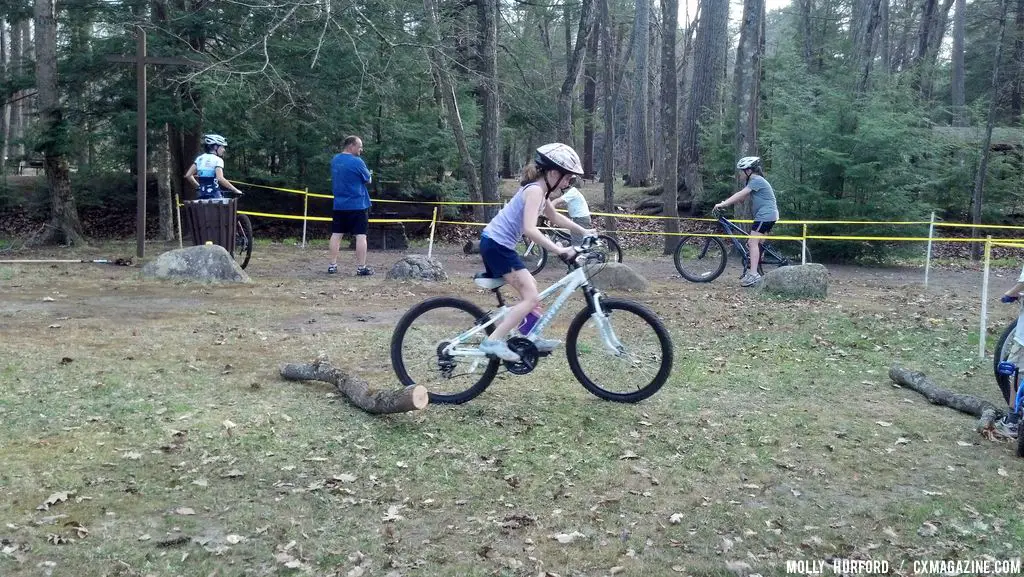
(979, 179)
(957, 84)
(356, 390)
(1018, 60)
(17, 69)
(885, 48)
(607, 79)
(747, 83)
(590, 99)
(446, 87)
(708, 58)
(566, 96)
(489, 137)
(669, 132)
(639, 167)
(863, 30)
(65, 227)
(807, 32)
(5, 110)
(165, 200)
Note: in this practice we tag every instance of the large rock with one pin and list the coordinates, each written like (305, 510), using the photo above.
(799, 281)
(417, 267)
(209, 263)
(615, 276)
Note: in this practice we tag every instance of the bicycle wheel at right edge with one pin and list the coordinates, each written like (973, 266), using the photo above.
(419, 339)
(638, 369)
(700, 258)
(1002, 353)
(243, 240)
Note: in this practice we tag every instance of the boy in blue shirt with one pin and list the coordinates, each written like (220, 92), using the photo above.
(349, 177)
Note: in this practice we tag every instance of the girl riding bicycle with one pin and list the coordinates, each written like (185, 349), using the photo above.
(764, 209)
(552, 167)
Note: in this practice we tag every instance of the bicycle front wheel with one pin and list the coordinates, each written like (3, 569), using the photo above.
(243, 240)
(640, 363)
(532, 254)
(418, 343)
(700, 258)
(1003, 353)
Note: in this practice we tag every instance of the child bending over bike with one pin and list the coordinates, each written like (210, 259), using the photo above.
(764, 209)
(1008, 426)
(576, 205)
(553, 165)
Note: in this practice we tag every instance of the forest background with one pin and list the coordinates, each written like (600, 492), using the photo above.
(880, 110)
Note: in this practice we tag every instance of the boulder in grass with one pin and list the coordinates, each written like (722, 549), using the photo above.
(615, 276)
(417, 267)
(798, 281)
(207, 263)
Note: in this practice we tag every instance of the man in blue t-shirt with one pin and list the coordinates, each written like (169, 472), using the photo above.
(349, 177)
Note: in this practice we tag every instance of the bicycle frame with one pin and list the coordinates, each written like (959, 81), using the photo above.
(728, 227)
(568, 284)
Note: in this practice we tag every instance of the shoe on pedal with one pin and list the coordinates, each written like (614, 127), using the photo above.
(332, 269)
(499, 348)
(545, 345)
(1006, 428)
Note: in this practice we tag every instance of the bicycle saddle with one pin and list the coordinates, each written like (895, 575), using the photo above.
(486, 282)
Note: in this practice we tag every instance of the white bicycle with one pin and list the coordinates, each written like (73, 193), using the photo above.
(618, 349)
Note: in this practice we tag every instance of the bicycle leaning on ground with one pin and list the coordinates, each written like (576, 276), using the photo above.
(618, 349)
(703, 258)
(535, 256)
(1007, 376)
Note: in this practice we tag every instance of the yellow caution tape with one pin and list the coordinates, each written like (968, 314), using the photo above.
(966, 225)
(269, 187)
(1009, 244)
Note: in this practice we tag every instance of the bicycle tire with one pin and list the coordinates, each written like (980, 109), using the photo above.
(434, 340)
(614, 249)
(243, 241)
(699, 249)
(788, 250)
(533, 255)
(573, 353)
(1002, 352)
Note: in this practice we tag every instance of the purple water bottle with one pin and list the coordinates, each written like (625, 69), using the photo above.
(528, 322)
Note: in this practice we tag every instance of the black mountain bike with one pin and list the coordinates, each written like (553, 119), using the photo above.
(535, 256)
(703, 258)
(243, 237)
(1007, 378)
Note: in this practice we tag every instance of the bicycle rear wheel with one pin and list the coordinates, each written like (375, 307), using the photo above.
(532, 254)
(639, 368)
(416, 350)
(243, 240)
(781, 253)
(1002, 353)
(700, 258)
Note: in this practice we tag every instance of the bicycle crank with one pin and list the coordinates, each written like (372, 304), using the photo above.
(528, 356)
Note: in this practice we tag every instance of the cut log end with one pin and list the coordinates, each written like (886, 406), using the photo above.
(358, 391)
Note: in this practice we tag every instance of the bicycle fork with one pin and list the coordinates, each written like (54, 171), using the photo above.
(604, 326)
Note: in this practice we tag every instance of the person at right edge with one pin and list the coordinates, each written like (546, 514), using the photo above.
(349, 177)
(552, 167)
(764, 209)
(1009, 426)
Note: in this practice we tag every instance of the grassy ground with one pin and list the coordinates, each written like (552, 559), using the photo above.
(146, 432)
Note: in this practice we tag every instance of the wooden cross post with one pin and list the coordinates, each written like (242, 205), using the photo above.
(141, 60)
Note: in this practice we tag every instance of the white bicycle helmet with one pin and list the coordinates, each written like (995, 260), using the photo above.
(214, 140)
(752, 162)
(559, 157)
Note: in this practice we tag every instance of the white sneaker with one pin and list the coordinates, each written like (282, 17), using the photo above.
(1006, 429)
(545, 345)
(750, 279)
(499, 349)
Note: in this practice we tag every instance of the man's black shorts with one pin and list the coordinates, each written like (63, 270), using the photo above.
(350, 221)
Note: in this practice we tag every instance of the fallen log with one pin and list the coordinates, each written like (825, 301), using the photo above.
(356, 390)
(986, 412)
